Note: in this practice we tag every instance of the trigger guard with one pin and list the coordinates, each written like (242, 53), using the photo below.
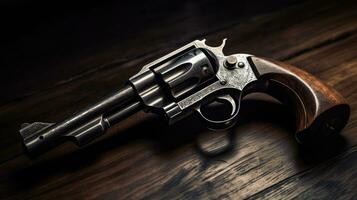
(226, 123)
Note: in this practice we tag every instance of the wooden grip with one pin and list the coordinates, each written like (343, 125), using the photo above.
(320, 111)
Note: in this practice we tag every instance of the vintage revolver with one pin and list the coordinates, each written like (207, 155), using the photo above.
(185, 81)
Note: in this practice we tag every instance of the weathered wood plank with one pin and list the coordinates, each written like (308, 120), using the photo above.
(333, 179)
(265, 154)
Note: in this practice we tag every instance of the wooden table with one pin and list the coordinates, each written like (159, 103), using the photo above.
(143, 157)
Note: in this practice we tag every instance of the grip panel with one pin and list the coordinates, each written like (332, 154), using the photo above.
(320, 111)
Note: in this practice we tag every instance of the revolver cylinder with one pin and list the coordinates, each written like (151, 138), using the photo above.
(186, 73)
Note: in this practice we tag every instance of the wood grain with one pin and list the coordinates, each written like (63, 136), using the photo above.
(333, 179)
(320, 111)
(143, 158)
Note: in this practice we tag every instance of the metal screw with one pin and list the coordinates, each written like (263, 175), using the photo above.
(241, 64)
(223, 82)
(231, 62)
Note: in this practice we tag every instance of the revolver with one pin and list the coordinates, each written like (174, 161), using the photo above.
(185, 82)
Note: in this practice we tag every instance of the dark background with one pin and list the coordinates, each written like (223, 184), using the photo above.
(39, 36)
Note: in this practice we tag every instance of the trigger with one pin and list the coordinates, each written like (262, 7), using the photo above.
(230, 99)
(217, 117)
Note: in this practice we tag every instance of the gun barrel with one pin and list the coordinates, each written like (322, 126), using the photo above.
(38, 137)
(97, 127)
